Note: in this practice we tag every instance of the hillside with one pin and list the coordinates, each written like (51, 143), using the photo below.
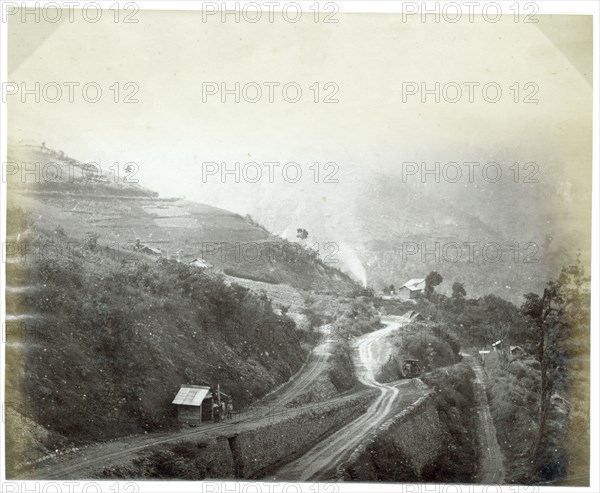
(106, 335)
(108, 344)
(377, 217)
(78, 201)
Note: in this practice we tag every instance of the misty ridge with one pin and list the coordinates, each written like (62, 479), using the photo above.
(515, 225)
(392, 226)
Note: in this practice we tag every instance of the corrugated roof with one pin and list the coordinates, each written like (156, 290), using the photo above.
(146, 248)
(191, 395)
(413, 284)
(200, 263)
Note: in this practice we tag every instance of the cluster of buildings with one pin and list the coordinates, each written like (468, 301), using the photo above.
(157, 254)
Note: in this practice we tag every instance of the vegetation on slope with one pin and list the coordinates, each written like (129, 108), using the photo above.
(425, 342)
(539, 375)
(113, 341)
(455, 401)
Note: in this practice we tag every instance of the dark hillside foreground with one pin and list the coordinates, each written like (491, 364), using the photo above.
(111, 343)
(455, 402)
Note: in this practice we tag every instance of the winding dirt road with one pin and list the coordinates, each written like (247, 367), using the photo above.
(316, 364)
(322, 460)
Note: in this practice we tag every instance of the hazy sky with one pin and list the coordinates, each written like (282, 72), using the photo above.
(171, 130)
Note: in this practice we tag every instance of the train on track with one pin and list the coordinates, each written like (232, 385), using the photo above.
(410, 368)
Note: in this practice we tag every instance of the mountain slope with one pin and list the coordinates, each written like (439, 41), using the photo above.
(100, 337)
(399, 229)
(79, 201)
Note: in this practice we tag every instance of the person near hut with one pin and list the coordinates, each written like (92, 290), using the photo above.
(229, 408)
(216, 412)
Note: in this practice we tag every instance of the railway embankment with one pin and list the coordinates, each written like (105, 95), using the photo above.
(248, 450)
(433, 439)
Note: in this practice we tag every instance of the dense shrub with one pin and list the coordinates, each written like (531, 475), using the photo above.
(432, 352)
(341, 372)
(359, 319)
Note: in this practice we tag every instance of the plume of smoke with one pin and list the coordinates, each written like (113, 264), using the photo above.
(351, 262)
(345, 255)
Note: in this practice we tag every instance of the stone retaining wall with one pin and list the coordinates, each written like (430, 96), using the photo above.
(401, 447)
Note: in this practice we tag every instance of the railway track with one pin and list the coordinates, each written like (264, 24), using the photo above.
(88, 462)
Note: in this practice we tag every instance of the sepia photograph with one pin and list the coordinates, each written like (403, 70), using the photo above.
(299, 246)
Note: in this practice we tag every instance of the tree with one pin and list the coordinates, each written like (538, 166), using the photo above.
(91, 240)
(301, 233)
(458, 291)
(532, 307)
(432, 280)
(559, 314)
(389, 289)
(60, 232)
